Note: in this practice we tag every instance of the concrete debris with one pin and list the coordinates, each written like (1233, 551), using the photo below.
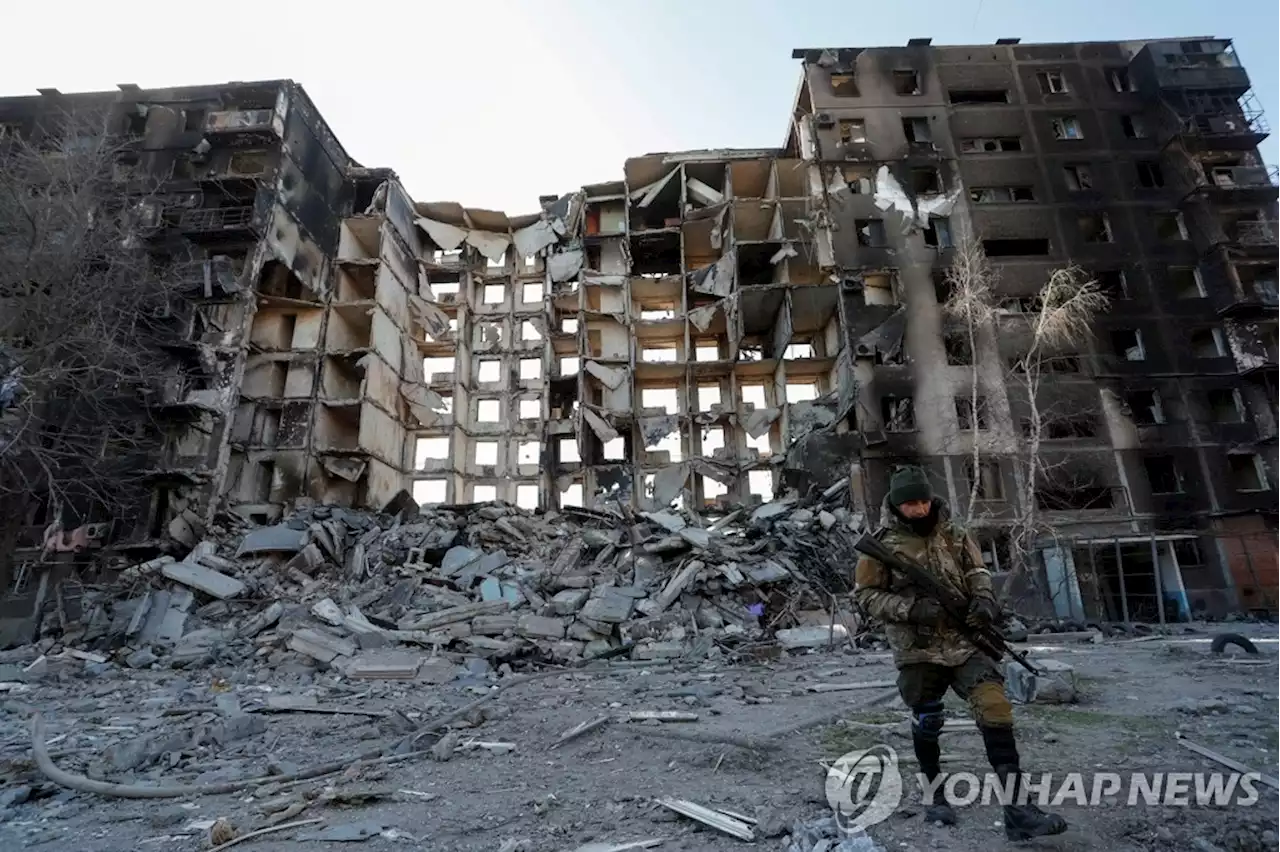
(1056, 683)
(370, 596)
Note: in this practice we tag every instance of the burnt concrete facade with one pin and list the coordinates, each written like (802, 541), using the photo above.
(711, 328)
(1136, 162)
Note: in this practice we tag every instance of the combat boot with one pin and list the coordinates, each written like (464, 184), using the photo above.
(1025, 821)
(937, 809)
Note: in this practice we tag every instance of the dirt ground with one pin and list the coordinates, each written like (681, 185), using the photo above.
(602, 786)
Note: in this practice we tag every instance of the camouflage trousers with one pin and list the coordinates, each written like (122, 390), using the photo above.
(978, 681)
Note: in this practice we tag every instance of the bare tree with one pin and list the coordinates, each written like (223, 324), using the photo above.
(1058, 322)
(85, 313)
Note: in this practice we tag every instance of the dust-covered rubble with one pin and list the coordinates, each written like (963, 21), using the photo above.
(374, 595)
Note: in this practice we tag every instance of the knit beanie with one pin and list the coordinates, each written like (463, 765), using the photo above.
(907, 484)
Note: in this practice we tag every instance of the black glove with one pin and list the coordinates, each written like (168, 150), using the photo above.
(925, 611)
(982, 613)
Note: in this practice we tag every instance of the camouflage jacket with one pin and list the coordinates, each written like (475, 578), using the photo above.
(953, 557)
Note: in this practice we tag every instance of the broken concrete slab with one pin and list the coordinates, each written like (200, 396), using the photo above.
(812, 637)
(540, 627)
(1056, 683)
(320, 646)
(276, 539)
(203, 579)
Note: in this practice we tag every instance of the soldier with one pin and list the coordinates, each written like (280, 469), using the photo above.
(931, 655)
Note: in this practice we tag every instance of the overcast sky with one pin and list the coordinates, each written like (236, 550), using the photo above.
(492, 103)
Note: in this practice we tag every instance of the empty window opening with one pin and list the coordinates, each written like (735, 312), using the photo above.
(569, 325)
(659, 354)
(754, 395)
(490, 371)
(1059, 364)
(877, 289)
(531, 294)
(844, 84)
(437, 367)
(1246, 472)
(712, 440)
(1208, 343)
(192, 120)
(1067, 127)
(671, 445)
(429, 492)
(760, 483)
(1185, 282)
(1094, 227)
(1052, 83)
(1169, 227)
(1078, 177)
(496, 262)
(1001, 194)
(527, 452)
(708, 395)
(1127, 343)
(1112, 283)
(569, 450)
(530, 409)
(429, 449)
(1020, 305)
(1015, 248)
(444, 288)
(712, 490)
(987, 145)
(916, 129)
(938, 234)
(529, 331)
(530, 369)
(870, 232)
(861, 179)
(1074, 498)
(898, 413)
(488, 411)
(484, 493)
(1226, 406)
(906, 82)
(569, 365)
(978, 96)
(1133, 126)
(956, 345)
(853, 131)
(707, 353)
(965, 413)
(439, 256)
(1145, 408)
(802, 391)
(446, 406)
(572, 496)
(665, 398)
(654, 314)
(1120, 80)
(486, 452)
(798, 351)
(761, 444)
(990, 485)
(527, 496)
(925, 181)
(615, 450)
(1163, 475)
(1150, 175)
(1065, 428)
(494, 294)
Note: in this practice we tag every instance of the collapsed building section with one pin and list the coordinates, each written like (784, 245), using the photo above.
(715, 328)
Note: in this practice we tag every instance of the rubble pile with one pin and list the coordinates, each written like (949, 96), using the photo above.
(365, 593)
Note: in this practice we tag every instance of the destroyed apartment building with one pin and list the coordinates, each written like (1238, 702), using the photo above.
(717, 329)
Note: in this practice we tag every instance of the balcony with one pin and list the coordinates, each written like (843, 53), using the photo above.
(1235, 184)
(254, 121)
(216, 220)
(1241, 129)
(1257, 294)
(1255, 233)
(1198, 65)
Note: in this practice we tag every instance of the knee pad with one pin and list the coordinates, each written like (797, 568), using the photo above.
(927, 719)
(990, 706)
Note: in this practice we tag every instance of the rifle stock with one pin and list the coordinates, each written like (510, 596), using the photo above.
(954, 607)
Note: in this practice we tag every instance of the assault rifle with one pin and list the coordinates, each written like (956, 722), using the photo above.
(987, 639)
